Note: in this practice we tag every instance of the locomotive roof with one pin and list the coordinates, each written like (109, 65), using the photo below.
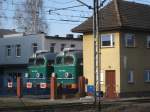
(47, 55)
(77, 53)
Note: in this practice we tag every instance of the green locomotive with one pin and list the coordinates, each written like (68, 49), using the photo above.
(68, 67)
(40, 68)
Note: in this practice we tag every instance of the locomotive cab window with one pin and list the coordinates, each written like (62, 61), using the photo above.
(40, 61)
(31, 61)
(59, 60)
(68, 60)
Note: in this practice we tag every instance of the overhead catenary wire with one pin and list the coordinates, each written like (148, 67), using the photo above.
(51, 8)
(1, 16)
(55, 13)
(48, 7)
(90, 7)
(64, 8)
(55, 1)
(54, 10)
(59, 14)
(65, 20)
(46, 12)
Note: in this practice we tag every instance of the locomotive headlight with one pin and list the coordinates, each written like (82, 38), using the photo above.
(26, 75)
(37, 75)
(68, 75)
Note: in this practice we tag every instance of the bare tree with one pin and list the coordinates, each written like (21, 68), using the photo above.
(2, 14)
(30, 17)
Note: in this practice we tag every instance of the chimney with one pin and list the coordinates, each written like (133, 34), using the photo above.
(69, 36)
(80, 36)
(56, 35)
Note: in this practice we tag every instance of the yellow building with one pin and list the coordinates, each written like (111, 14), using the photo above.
(125, 49)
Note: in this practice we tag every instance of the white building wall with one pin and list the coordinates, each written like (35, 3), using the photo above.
(26, 48)
(59, 41)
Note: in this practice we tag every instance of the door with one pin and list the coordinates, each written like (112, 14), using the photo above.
(110, 84)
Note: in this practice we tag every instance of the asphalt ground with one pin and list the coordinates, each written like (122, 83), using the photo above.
(44, 104)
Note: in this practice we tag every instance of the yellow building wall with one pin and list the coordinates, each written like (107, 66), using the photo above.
(110, 60)
(137, 59)
(88, 58)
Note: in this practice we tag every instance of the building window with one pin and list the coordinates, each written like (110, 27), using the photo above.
(147, 75)
(18, 50)
(62, 47)
(107, 40)
(8, 50)
(148, 42)
(72, 46)
(130, 76)
(34, 47)
(129, 40)
(52, 47)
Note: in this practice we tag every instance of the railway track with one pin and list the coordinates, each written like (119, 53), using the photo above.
(76, 107)
(51, 108)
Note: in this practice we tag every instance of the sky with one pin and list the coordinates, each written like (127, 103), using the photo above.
(78, 15)
(63, 28)
(59, 20)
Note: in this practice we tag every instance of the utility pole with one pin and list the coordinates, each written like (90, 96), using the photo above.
(94, 35)
(97, 52)
(97, 48)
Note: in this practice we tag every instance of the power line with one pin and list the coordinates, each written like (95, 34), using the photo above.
(46, 12)
(62, 20)
(55, 13)
(102, 3)
(54, 1)
(65, 8)
(47, 7)
(44, 9)
(88, 6)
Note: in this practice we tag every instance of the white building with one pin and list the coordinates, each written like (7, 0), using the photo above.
(15, 49)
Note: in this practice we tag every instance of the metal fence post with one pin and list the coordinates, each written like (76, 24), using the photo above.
(53, 88)
(81, 86)
(19, 87)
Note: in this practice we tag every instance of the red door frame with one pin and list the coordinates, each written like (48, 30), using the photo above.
(110, 84)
